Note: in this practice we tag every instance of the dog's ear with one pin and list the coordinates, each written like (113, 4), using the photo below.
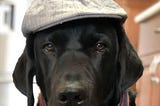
(23, 76)
(130, 63)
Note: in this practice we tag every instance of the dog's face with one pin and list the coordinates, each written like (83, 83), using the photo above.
(76, 61)
(81, 63)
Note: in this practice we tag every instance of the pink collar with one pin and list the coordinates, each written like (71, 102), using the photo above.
(41, 101)
(124, 99)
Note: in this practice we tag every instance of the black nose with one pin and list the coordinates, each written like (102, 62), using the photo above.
(72, 96)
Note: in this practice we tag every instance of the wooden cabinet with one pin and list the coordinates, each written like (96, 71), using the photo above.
(149, 50)
(133, 8)
(148, 89)
(149, 39)
(146, 39)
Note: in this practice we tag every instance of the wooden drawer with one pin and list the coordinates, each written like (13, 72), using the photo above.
(149, 41)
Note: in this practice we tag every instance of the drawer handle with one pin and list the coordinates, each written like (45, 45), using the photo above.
(155, 80)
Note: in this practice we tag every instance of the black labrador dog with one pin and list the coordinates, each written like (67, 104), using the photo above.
(86, 62)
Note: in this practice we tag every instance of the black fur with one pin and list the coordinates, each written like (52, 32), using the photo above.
(94, 53)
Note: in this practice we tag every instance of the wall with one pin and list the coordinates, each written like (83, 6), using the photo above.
(13, 40)
(3, 51)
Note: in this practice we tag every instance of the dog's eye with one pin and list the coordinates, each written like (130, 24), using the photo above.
(100, 47)
(49, 48)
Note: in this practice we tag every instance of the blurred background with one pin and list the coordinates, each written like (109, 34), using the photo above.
(142, 28)
(12, 44)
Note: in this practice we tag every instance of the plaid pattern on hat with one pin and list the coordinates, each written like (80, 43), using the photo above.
(43, 14)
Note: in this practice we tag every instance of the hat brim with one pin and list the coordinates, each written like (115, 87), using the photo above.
(41, 15)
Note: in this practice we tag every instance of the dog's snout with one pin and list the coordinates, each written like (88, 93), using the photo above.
(72, 96)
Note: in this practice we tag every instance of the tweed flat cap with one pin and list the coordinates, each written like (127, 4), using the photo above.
(43, 14)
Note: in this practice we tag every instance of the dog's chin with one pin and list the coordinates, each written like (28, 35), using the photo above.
(90, 101)
(84, 103)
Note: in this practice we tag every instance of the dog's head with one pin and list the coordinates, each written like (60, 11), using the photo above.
(87, 62)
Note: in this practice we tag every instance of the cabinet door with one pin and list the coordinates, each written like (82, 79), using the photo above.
(148, 90)
(149, 39)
